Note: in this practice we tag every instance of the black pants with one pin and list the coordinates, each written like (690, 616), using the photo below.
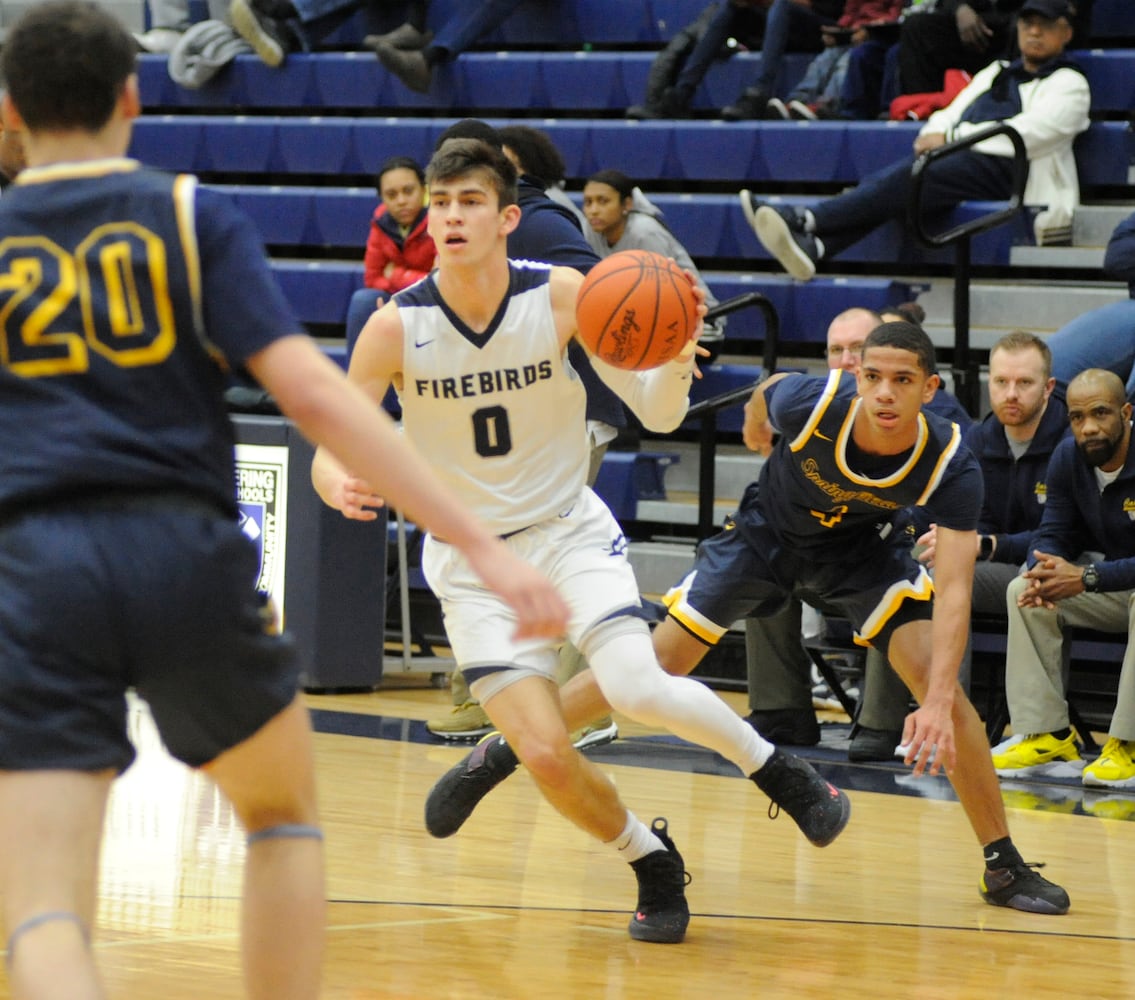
(929, 45)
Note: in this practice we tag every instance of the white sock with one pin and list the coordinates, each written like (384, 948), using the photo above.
(636, 841)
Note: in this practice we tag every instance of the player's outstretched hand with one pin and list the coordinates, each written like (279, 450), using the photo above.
(355, 499)
(540, 611)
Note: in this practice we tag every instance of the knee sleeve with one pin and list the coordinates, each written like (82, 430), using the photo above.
(633, 683)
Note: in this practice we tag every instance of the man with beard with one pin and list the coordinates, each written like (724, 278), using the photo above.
(1081, 571)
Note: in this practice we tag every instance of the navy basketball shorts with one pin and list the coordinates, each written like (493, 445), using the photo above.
(95, 601)
(746, 571)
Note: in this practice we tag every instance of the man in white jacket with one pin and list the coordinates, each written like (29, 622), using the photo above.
(1042, 95)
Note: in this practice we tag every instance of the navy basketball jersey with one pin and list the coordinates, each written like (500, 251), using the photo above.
(819, 504)
(500, 414)
(125, 295)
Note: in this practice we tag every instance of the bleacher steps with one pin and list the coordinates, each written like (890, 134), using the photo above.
(660, 565)
(734, 469)
(999, 307)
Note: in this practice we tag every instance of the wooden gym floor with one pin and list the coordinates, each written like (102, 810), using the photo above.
(522, 905)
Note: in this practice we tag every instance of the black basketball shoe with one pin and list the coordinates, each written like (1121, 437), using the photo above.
(819, 808)
(1019, 886)
(452, 800)
(662, 913)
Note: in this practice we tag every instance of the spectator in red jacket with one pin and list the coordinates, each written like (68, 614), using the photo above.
(399, 250)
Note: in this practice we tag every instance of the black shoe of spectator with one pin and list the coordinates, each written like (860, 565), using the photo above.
(671, 104)
(752, 103)
(269, 37)
(405, 36)
(411, 68)
(872, 744)
(781, 232)
(795, 727)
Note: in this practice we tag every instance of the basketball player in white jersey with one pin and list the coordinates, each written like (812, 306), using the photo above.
(478, 353)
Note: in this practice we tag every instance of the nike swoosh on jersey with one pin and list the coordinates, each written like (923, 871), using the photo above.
(423, 343)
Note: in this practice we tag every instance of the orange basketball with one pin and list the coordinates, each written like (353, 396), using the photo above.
(636, 309)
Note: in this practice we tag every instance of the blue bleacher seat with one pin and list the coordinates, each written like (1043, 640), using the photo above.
(318, 290)
(726, 79)
(701, 223)
(239, 145)
(581, 80)
(1113, 18)
(609, 23)
(804, 309)
(317, 146)
(626, 477)
(1104, 154)
(721, 378)
(870, 146)
(1111, 74)
(167, 141)
(283, 215)
(716, 150)
(639, 149)
(495, 80)
(262, 86)
(804, 151)
(346, 80)
(378, 139)
(342, 216)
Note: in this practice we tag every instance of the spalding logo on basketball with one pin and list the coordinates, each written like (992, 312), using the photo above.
(636, 309)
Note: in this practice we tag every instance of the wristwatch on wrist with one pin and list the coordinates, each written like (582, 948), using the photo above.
(985, 550)
(1091, 578)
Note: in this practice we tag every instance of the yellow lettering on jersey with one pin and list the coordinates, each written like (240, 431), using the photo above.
(33, 346)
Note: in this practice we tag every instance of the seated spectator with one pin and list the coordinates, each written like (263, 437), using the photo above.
(680, 67)
(820, 93)
(955, 34)
(1042, 95)
(620, 217)
(399, 250)
(276, 27)
(966, 35)
(535, 155)
(1080, 572)
(1103, 337)
(871, 81)
(415, 66)
(789, 26)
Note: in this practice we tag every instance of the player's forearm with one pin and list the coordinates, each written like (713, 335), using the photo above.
(950, 634)
(659, 397)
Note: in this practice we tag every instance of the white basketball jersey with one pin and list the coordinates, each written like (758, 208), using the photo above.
(499, 414)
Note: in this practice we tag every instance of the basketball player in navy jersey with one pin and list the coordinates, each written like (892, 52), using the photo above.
(125, 294)
(478, 352)
(855, 449)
